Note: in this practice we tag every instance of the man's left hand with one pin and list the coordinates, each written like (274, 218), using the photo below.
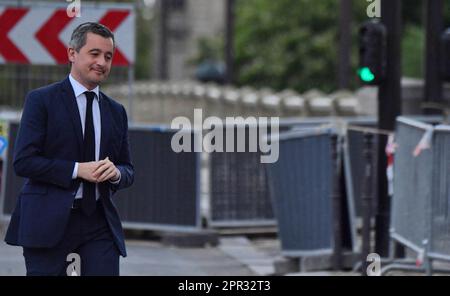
(106, 171)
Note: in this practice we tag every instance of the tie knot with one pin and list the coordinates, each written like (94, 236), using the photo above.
(90, 95)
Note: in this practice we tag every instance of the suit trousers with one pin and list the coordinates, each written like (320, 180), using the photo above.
(87, 236)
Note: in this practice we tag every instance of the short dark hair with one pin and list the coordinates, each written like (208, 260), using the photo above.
(78, 38)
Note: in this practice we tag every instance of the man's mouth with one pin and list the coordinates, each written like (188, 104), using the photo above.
(98, 71)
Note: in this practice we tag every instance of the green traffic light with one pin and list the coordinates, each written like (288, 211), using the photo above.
(365, 74)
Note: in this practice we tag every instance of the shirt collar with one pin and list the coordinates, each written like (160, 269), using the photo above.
(79, 89)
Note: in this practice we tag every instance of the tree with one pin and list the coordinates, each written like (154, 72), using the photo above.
(293, 43)
(286, 43)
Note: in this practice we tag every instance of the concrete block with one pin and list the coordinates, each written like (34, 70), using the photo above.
(284, 265)
(199, 239)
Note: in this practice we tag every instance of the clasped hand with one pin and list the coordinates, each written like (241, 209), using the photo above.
(98, 171)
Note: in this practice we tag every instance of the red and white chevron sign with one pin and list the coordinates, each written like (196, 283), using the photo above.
(39, 35)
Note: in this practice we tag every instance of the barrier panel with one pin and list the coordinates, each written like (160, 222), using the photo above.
(301, 185)
(165, 194)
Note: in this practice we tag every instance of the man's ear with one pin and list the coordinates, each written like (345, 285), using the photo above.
(71, 54)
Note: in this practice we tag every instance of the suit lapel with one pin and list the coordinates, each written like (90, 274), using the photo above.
(71, 103)
(105, 118)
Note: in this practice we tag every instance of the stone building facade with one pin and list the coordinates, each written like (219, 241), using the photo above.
(188, 21)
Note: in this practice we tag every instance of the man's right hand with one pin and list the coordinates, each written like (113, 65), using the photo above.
(86, 170)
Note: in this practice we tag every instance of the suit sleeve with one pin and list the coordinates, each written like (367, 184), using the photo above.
(124, 162)
(29, 161)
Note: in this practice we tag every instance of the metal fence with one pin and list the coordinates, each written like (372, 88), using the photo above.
(239, 194)
(301, 185)
(412, 186)
(440, 208)
(354, 166)
(420, 207)
(166, 191)
(354, 162)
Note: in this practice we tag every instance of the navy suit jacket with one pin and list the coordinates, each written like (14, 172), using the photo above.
(49, 142)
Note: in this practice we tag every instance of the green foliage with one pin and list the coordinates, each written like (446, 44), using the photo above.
(294, 43)
(287, 43)
(412, 51)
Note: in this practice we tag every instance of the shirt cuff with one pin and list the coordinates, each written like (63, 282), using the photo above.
(118, 179)
(75, 171)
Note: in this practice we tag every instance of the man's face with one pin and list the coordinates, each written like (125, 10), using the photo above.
(91, 65)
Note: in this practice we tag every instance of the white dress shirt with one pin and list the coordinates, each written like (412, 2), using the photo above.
(79, 90)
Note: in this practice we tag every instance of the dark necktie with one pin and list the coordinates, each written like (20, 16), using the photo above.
(88, 200)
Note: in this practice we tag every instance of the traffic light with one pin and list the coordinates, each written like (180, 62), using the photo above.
(445, 55)
(372, 52)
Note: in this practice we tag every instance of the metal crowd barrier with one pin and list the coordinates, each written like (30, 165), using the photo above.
(301, 185)
(412, 186)
(440, 208)
(166, 191)
(420, 206)
(354, 162)
(239, 194)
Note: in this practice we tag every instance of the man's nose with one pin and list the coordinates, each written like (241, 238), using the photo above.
(101, 61)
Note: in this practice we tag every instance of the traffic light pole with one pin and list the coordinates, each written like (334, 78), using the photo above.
(434, 28)
(389, 107)
(345, 19)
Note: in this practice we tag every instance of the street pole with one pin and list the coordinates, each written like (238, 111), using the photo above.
(367, 201)
(336, 200)
(389, 107)
(434, 29)
(345, 19)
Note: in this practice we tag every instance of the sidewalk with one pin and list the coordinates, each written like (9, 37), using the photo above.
(150, 258)
(233, 256)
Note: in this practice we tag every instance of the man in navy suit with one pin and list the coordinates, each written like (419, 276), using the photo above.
(72, 148)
